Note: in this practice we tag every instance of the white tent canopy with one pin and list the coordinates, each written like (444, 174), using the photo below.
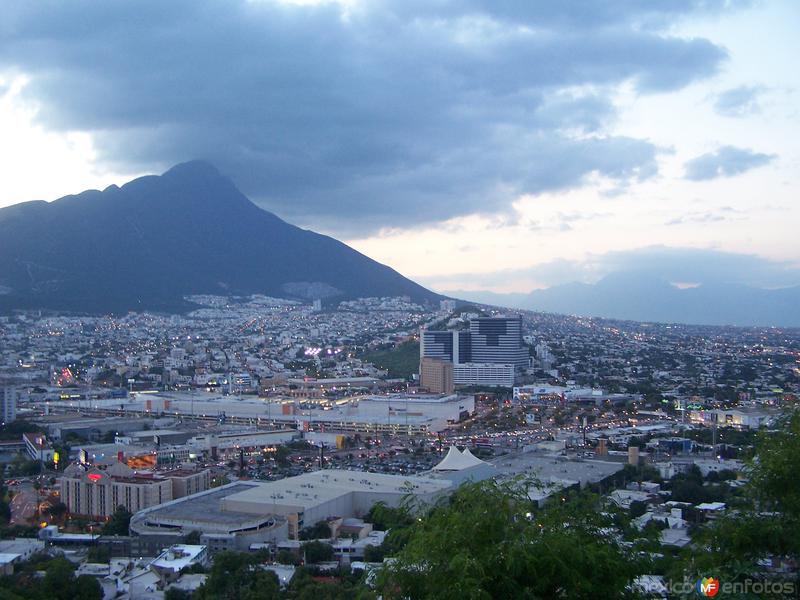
(458, 461)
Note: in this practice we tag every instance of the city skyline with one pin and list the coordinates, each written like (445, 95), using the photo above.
(436, 139)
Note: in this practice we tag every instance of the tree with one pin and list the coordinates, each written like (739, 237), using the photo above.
(56, 510)
(174, 593)
(637, 509)
(373, 553)
(98, 554)
(236, 576)
(767, 524)
(192, 538)
(287, 557)
(58, 579)
(490, 541)
(319, 530)
(687, 490)
(86, 587)
(317, 551)
(384, 517)
(120, 521)
(282, 456)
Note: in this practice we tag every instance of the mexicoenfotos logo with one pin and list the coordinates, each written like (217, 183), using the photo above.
(708, 586)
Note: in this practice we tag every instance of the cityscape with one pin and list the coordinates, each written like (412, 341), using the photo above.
(272, 428)
(392, 300)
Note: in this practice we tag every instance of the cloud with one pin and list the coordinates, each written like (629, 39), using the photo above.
(739, 101)
(727, 161)
(349, 116)
(673, 264)
(724, 213)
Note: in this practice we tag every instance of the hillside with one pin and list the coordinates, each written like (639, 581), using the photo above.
(151, 242)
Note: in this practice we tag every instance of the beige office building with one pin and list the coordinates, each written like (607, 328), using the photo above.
(436, 375)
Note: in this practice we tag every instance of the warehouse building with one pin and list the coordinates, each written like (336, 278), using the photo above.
(243, 513)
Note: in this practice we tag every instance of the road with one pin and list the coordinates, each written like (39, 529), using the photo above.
(23, 505)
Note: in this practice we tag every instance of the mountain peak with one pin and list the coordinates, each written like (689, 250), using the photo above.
(193, 168)
(158, 239)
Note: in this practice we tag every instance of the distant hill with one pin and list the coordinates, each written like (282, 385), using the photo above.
(151, 242)
(632, 296)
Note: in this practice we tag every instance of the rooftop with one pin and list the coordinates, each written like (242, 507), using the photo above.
(178, 556)
(203, 510)
(311, 489)
(555, 469)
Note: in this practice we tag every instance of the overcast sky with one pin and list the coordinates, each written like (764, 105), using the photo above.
(471, 145)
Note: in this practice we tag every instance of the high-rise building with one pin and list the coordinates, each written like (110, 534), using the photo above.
(489, 340)
(436, 375)
(498, 340)
(452, 346)
(8, 404)
(95, 492)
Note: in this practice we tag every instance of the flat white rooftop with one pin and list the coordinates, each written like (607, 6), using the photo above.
(178, 556)
(311, 489)
(551, 469)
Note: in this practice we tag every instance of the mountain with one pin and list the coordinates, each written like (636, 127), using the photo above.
(156, 239)
(637, 297)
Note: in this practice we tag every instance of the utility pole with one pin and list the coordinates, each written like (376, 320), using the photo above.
(584, 431)
(714, 438)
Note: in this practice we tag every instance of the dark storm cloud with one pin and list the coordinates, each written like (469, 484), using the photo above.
(346, 118)
(727, 161)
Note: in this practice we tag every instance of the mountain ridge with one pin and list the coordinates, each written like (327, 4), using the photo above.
(633, 296)
(155, 239)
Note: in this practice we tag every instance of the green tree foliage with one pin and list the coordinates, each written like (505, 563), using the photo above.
(58, 578)
(385, 517)
(373, 554)
(319, 530)
(119, 523)
(86, 587)
(282, 456)
(99, 554)
(174, 593)
(637, 509)
(339, 585)
(21, 466)
(58, 509)
(317, 551)
(401, 360)
(59, 582)
(767, 525)
(192, 538)
(287, 557)
(489, 541)
(237, 576)
(15, 429)
(5, 507)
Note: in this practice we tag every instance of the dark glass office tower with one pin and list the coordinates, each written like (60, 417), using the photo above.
(494, 340)
(498, 340)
